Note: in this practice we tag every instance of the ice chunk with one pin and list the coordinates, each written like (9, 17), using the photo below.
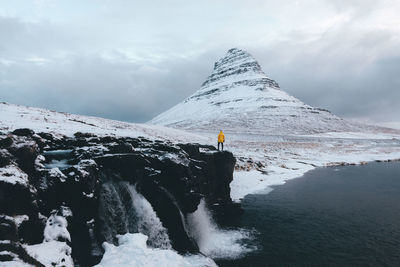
(133, 251)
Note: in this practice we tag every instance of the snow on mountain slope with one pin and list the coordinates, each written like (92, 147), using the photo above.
(41, 120)
(238, 96)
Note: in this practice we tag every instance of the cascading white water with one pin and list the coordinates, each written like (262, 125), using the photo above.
(112, 212)
(215, 242)
(124, 210)
(142, 218)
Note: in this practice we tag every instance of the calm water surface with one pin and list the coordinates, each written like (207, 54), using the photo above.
(338, 216)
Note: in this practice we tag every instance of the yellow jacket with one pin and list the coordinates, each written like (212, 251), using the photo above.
(221, 137)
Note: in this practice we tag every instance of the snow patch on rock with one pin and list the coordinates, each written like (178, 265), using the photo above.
(52, 253)
(13, 175)
(54, 250)
(56, 229)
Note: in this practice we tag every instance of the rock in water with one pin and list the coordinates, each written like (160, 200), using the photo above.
(238, 96)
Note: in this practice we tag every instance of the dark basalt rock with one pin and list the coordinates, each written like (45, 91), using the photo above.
(47, 136)
(26, 155)
(23, 132)
(16, 199)
(122, 148)
(31, 231)
(8, 229)
(5, 158)
(87, 174)
(5, 141)
(129, 166)
(83, 135)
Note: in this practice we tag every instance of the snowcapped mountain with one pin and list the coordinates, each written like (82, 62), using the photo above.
(238, 96)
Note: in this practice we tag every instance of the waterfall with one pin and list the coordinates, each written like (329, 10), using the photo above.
(123, 210)
(214, 241)
(112, 213)
(143, 219)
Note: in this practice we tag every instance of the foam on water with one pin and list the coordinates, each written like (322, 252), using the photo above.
(61, 164)
(215, 242)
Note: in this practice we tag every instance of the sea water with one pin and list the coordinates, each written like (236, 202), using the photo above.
(336, 216)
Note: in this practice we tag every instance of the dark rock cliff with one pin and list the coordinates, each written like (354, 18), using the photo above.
(86, 174)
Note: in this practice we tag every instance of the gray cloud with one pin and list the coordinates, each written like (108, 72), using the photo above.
(130, 60)
(350, 73)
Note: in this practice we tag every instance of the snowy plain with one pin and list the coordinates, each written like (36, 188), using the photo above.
(61, 123)
(265, 161)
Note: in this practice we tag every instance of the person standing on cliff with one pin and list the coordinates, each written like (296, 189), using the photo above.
(221, 140)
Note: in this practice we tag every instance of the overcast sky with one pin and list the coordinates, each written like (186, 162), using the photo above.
(131, 60)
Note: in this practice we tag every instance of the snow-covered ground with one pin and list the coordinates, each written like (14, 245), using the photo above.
(42, 120)
(264, 161)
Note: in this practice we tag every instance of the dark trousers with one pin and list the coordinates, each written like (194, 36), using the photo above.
(222, 145)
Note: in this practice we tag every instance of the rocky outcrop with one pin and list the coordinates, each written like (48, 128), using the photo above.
(95, 178)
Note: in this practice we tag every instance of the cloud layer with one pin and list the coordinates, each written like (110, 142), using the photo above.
(130, 61)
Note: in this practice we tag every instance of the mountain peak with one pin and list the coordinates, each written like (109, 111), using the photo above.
(238, 96)
(236, 65)
(235, 55)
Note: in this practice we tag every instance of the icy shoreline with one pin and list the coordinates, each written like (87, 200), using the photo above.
(261, 181)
